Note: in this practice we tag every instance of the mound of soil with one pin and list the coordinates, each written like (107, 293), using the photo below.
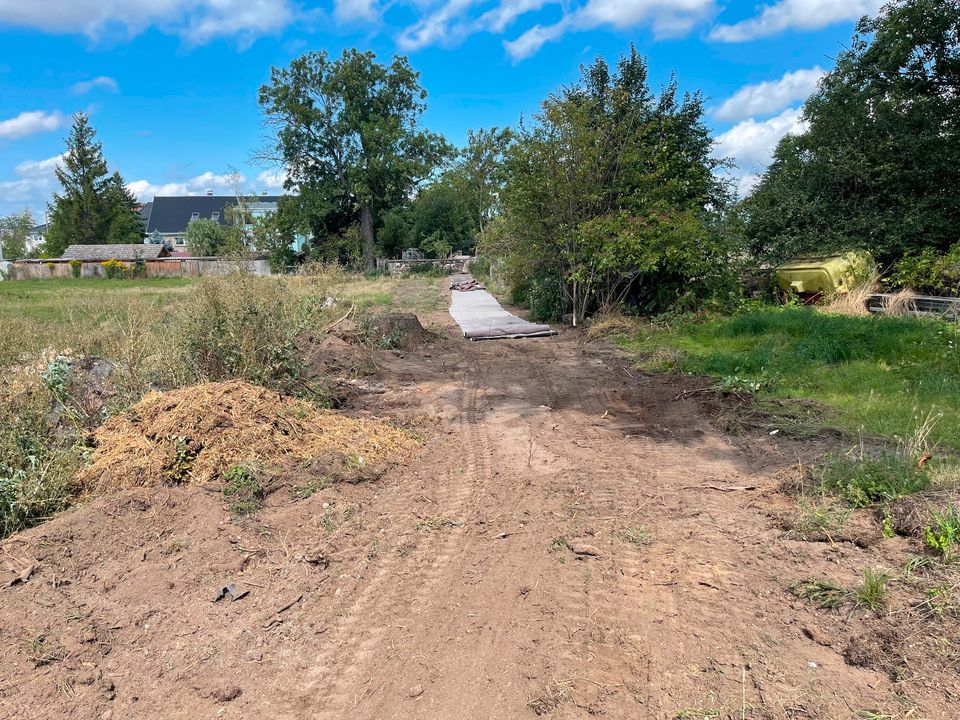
(397, 330)
(196, 433)
(333, 354)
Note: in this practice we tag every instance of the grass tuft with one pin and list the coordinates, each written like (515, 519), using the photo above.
(874, 592)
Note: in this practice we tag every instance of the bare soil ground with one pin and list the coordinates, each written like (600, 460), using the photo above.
(565, 545)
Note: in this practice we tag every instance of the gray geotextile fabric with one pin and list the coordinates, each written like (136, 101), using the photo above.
(480, 316)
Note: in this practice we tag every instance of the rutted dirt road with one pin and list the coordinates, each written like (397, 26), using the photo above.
(565, 545)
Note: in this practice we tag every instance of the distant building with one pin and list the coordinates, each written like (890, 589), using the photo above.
(168, 217)
(36, 236)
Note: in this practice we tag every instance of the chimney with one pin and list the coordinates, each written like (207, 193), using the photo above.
(209, 192)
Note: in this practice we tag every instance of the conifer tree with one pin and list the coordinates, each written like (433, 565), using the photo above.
(94, 206)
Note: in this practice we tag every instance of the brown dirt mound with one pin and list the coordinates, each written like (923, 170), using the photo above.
(196, 433)
(397, 330)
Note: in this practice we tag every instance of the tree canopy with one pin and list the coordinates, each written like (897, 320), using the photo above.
(94, 206)
(879, 166)
(348, 132)
(14, 230)
(611, 191)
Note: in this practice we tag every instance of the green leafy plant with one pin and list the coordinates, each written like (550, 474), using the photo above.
(114, 269)
(944, 533)
(243, 490)
(863, 481)
(184, 453)
(75, 268)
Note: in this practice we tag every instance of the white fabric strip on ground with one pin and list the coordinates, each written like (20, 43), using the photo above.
(480, 317)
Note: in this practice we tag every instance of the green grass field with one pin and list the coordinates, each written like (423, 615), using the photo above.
(51, 300)
(879, 376)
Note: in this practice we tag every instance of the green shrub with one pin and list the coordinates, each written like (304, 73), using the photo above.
(243, 490)
(427, 270)
(944, 532)
(864, 481)
(139, 268)
(930, 272)
(36, 467)
(75, 268)
(480, 268)
(240, 326)
(114, 269)
(545, 300)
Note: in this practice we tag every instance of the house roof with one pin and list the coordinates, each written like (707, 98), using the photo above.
(98, 253)
(145, 211)
(173, 214)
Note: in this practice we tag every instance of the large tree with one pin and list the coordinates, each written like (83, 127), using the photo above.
(14, 230)
(440, 221)
(93, 206)
(611, 190)
(348, 132)
(879, 166)
(478, 173)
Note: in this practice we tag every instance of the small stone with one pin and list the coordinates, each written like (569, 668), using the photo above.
(818, 636)
(416, 691)
(107, 715)
(581, 549)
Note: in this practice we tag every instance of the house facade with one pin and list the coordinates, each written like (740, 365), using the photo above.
(166, 218)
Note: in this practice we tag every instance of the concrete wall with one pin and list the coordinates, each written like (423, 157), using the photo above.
(402, 267)
(163, 267)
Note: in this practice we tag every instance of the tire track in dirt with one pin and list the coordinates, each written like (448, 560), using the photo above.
(401, 584)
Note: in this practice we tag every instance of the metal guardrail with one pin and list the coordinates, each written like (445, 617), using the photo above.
(929, 305)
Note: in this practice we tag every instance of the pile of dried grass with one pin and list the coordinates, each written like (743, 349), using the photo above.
(854, 301)
(900, 303)
(612, 323)
(198, 432)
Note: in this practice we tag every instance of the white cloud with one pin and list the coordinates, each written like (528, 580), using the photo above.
(767, 97)
(220, 184)
(795, 15)
(28, 123)
(446, 23)
(271, 181)
(85, 86)
(751, 143)
(501, 17)
(667, 18)
(195, 20)
(33, 184)
(353, 10)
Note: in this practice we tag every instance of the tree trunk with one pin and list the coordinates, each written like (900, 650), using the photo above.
(366, 228)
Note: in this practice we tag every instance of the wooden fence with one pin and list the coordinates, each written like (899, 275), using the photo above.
(161, 267)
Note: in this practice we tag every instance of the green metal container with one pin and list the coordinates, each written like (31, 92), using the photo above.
(824, 275)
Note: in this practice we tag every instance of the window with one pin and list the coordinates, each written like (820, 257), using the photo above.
(215, 216)
(180, 241)
(195, 216)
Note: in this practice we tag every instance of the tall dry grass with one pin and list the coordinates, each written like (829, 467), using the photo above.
(854, 301)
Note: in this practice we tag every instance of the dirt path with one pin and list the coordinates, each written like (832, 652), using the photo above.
(563, 546)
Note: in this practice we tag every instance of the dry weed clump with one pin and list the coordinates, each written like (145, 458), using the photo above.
(854, 301)
(197, 433)
(900, 303)
(613, 323)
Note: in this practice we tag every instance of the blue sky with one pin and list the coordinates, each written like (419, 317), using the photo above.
(171, 84)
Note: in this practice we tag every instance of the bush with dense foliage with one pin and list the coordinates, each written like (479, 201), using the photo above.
(879, 165)
(610, 194)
